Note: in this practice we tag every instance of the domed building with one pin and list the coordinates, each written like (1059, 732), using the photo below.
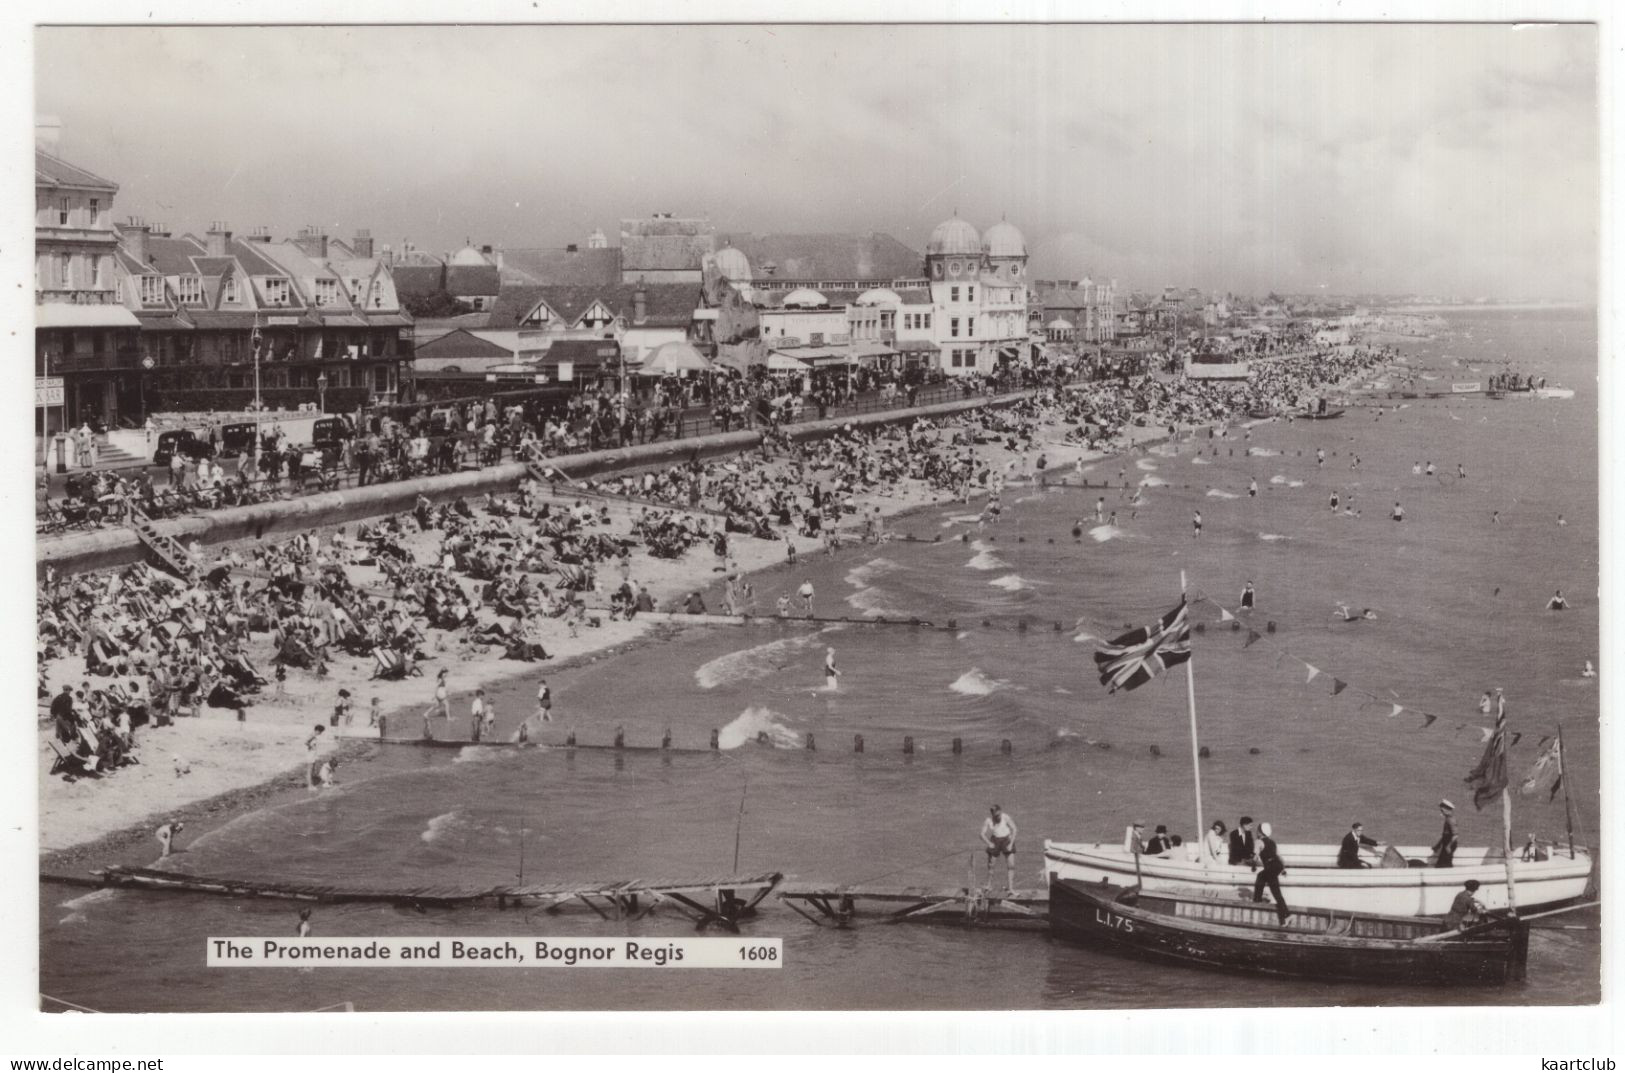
(978, 296)
(954, 251)
(733, 265)
(1005, 250)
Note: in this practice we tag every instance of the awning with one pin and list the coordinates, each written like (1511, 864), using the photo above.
(916, 346)
(70, 315)
(342, 320)
(871, 348)
(388, 320)
(780, 362)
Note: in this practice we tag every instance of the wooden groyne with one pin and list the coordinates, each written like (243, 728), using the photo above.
(836, 906)
(720, 900)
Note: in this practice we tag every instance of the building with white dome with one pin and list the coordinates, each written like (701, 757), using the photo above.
(978, 296)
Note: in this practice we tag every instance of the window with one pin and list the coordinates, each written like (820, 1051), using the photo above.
(817, 338)
(191, 290)
(62, 209)
(925, 320)
(537, 317)
(152, 290)
(970, 327)
(327, 292)
(64, 271)
(953, 327)
(276, 291)
(228, 289)
(95, 210)
(953, 294)
(970, 294)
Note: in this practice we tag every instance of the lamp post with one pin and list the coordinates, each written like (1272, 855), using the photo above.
(321, 391)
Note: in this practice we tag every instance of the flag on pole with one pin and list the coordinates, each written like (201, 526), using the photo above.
(1225, 616)
(1547, 774)
(1252, 635)
(1490, 776)
(1428, 720)
(1397, 709)
(1313, 671)
(1130, 661)
(1338, 685)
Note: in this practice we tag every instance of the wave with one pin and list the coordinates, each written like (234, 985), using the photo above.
(960, 519)
(1200, 461)
(865, 573)
(1145, 463)
(1103, 533)
(1262, 452)
(986, 560)
(1011, 583)
(1277, 479)
(1153, 482)
(756, 720)
(875, 602)
(1273, 537)
(973, 683)
(439, 825)
(1220, 493)
(1085, 637)
(76, 906)
(755, 662)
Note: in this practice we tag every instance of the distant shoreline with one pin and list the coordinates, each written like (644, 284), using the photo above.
(1509, 307)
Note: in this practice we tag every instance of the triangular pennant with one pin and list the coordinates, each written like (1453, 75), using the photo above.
(1225, 616)
(1516, 734)
(1252, 635)
(1486, 733)
(1397, 709)
(1428, 720)
(1313, 671)
(1338, 685)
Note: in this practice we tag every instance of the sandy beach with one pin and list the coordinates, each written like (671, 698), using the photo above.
(214, 756)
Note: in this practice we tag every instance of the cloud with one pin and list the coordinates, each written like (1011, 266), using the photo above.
(1433, 157)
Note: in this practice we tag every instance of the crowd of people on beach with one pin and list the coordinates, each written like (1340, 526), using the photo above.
(158, 647)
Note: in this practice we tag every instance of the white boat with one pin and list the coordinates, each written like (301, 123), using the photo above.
(1313, 880)
(1554, 393)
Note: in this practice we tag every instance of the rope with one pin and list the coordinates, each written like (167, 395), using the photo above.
(907, 867)
(65, 1002)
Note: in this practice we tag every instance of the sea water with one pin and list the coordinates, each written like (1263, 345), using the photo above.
(1459, 605)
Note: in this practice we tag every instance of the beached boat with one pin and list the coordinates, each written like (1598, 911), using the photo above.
(1313, 880)
(1315, 944)
(1321, 414)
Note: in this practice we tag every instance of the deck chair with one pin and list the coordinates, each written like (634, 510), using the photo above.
(68, 762)
(388, 664)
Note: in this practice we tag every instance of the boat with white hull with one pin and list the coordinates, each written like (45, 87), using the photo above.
(1313, 880)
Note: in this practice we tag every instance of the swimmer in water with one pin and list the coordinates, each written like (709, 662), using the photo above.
(1252, 489)
(1416, 469)
(1561, 521)
(830, 673)
(1343, 612)
(1557, 602)
(1430, 469)
(304, 923)
(1589, 672)
(1398, 514)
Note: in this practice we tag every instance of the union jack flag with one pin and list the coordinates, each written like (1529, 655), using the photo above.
(1130, 661)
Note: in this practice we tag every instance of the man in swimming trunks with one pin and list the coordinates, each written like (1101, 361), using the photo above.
(999, 836)
(830, 673)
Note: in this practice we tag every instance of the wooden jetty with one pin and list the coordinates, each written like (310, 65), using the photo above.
(564, 746)
(719, 900)
(834, 905)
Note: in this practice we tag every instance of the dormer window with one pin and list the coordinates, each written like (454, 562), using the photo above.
(152, 290)
(327, 292)
(191, 290)
(228, 289)
(537, 318)
(276, 291)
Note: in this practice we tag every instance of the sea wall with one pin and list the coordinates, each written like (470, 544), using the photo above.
(103, 549)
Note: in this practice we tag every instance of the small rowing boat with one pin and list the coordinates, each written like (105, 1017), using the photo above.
(1313, 943)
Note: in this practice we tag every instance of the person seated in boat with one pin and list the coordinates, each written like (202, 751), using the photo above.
(1160, 843)
(1216, 843)
(1466, 910)
(1242, 849)
(1134, 839)
(1348, 855)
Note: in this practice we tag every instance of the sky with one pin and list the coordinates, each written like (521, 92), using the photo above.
(1435, 159)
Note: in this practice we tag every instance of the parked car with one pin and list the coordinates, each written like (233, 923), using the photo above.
(330, 432)
(238, 438)
(182, 440)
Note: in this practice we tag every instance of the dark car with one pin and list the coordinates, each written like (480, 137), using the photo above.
(184, 441)
(330, 432)
(237, 439)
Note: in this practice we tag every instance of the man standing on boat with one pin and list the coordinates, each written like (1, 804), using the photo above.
(1348, 855)
(1241, 844)
(1270, 874)
(999, 836)
(1445, 849)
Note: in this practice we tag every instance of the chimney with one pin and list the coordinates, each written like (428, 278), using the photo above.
(640, 306)
(48, 133)
(134, 235)
(218, 240)
(363, 243)
(485, 250)
(571, 248)
(261, 235)
(312, 242)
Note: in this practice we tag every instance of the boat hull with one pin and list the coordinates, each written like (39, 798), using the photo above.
(1118, 919)
(1313, 881)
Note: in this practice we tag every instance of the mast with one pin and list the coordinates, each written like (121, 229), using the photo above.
(1196, 752)
(1506, 846)
(1568, 803)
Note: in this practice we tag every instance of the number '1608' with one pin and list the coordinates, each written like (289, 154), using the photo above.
(758, 953)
